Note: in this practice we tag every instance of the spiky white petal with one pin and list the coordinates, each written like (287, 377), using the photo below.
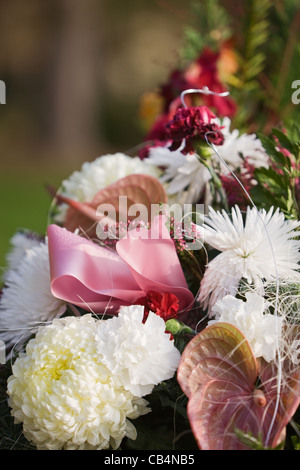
(26, 300)
(184, 176)
(264, 247)
(20, 243)
(236, 147)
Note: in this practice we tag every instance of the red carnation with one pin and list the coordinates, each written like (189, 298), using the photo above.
(192, 124)
(165, 305)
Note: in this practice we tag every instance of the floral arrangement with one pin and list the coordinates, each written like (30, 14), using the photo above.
(160, 311)
(158, 295)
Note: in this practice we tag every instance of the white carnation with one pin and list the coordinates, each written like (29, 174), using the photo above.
(65, 396)
(262, 330)
(140, 354)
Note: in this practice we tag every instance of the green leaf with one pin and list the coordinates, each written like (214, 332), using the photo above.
(285, 142)
(272, 179)
(296, 442)
(262, 197)
(270, 147)
(254, 443)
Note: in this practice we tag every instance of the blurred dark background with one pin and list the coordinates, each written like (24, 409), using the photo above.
(74, 71)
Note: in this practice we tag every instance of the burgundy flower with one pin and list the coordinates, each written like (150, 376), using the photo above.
(192, 124)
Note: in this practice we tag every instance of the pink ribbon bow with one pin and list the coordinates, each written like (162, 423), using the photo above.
(99, 279)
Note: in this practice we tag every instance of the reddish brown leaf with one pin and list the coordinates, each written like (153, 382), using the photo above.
(137, 188)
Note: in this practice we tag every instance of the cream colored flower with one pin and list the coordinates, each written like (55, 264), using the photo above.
(65, 396)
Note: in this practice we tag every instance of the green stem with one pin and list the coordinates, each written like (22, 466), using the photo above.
(203, 153)
(216, 186)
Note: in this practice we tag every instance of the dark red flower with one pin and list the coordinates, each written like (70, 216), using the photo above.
(208, 75)
(192, 124)
(172, 89)
(165, 305)
(233, 190)
(156, 136)
(203, 71)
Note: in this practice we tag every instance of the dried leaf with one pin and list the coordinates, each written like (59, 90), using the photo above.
(137, 189)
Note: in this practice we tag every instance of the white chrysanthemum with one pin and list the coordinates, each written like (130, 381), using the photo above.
(105, 170)
(141, 354)
(20, 243)
(262, 330)
(236, 147)
(26, 299)
(65, 396)
(263, 248)
(184, 175)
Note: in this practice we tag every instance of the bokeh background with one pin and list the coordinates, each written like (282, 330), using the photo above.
(76, 71)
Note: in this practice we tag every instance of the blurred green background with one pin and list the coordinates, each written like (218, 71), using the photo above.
(74, 71)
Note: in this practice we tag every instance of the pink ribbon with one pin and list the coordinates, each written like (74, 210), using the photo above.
(99, 279)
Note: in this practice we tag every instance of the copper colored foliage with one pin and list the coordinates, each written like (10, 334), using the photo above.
(229, 390)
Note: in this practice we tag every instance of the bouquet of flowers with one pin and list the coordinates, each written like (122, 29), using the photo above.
(160, 311)
(161, 308)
